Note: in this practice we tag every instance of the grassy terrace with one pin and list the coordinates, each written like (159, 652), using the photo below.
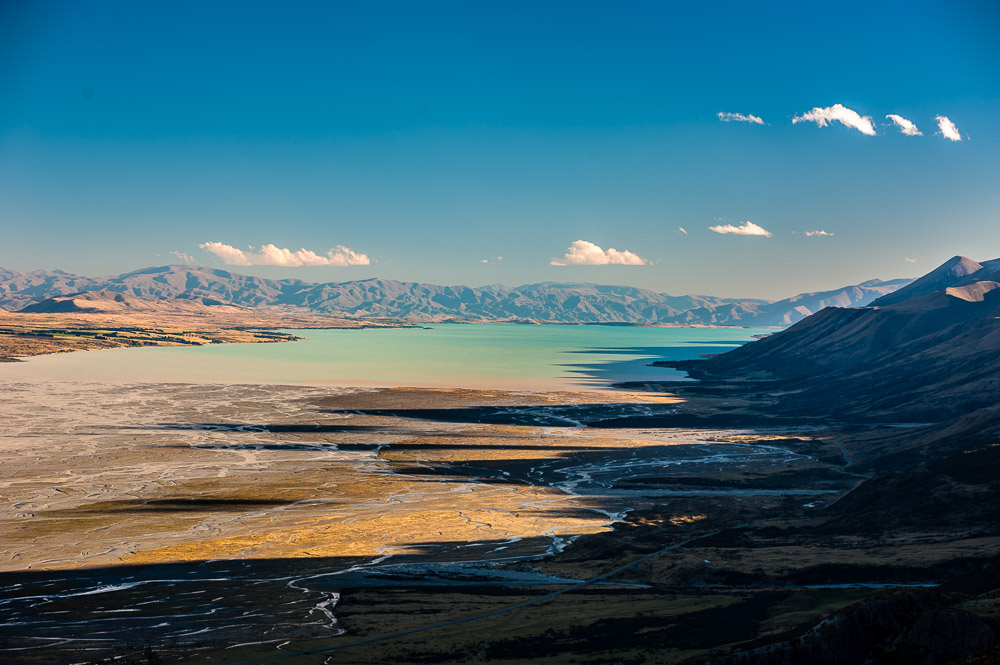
(22, 341)
(24, 334)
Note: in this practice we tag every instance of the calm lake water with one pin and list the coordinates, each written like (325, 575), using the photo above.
(545, 357)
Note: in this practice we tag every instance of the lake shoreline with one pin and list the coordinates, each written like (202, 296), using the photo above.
(538, 358)
(25, 335)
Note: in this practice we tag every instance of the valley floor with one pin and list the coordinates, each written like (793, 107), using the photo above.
(227, 523)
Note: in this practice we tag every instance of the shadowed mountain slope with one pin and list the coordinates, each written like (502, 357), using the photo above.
(929, 357)
(930, 352)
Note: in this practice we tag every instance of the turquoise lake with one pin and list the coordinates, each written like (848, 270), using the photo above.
(526, 357)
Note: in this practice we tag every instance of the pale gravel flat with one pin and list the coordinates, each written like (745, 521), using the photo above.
(102, 473)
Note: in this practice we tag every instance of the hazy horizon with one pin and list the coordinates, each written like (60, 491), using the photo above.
(237, 270)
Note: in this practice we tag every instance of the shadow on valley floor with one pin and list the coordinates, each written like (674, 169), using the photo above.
(252, 610)
(567, 463)
(604, 416)
(494, 459)
(180, 609)
(282, 428)
(589, 470)
(529, 415)
(374, 447)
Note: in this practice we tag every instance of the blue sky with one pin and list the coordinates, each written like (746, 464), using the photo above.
(432, 138)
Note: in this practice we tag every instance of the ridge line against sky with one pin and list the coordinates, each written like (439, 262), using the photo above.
(725, 149)
(239, 273)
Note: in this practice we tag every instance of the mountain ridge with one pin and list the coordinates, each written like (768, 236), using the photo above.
(108, 302)
(952, 270)
(415, 301)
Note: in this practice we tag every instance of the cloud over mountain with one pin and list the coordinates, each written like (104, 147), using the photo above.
(823, 116)
(584, 253)
(186, 258)
(272, 255)
(747, 228)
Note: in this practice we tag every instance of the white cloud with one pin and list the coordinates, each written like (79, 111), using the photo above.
(583, 253)
(904, 125)
(229, 254)
(813, 234)
(947, 128)
(272, 255)
(747, 228)
(681, 229)
(495, 259)
(739, 117)
(838, 113)
(186, 258)
(909, 259)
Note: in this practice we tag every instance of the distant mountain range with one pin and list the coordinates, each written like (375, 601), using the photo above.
(46, 291)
